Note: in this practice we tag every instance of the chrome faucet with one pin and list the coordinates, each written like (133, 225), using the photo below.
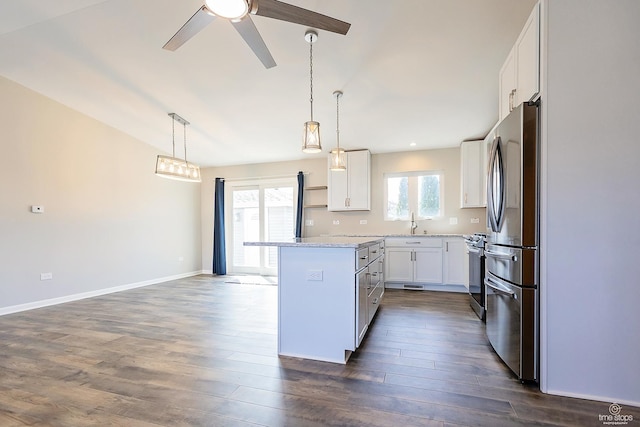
(414, 225)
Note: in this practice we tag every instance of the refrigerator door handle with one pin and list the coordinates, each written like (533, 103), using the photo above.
(496, 187)
(498, 287)
(500, 255)
(490, 212)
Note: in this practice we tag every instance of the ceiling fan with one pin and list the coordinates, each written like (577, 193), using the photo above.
(238, 13)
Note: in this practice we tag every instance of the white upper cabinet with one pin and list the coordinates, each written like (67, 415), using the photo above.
(519, 79)
(508, 84)
(350, 190)
(472, 174)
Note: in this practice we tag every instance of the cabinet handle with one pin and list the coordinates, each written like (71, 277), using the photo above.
(364, 257)
(375, 301)
(368, 278)
(512, 96)
(465, 198)
(412, 243)
(447, 247)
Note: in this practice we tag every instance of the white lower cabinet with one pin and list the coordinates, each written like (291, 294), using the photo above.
(455, 262)
(370, 286)
(414, 262)
(427, 265)
(362, 281)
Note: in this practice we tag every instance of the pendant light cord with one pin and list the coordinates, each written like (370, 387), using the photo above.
(184, 127)
(338, 121)
(173, 134)
(311, 73)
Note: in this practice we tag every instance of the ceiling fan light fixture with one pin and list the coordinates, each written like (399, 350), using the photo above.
(229, 9)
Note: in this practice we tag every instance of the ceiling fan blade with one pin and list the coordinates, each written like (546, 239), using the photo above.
(251, 36)
(290, 13)
(193, 26)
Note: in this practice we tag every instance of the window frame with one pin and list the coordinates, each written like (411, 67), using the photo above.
(412, 196)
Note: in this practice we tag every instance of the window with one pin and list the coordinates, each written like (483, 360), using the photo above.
(419, 193)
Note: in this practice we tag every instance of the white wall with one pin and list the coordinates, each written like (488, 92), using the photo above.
(590, 200)
(446, 160)
(109, 222)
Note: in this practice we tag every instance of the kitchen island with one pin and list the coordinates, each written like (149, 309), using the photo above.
(329, 289)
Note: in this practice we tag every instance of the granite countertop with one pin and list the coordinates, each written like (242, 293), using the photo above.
(405, 235)
(323, 242)
(343, 241)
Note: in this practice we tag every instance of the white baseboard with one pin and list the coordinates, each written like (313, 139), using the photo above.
(607, 399)
(68, 298)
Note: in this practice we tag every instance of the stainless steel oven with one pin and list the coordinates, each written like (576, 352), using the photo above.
(475, 250)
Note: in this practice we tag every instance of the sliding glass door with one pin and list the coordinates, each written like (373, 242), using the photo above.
(259, 211)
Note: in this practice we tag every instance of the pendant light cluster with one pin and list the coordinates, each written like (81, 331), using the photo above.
(311, 137)
(173, 167)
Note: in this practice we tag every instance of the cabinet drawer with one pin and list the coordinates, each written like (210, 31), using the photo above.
(374, 251)
(374, 300)
(362, 258)
(414, 242)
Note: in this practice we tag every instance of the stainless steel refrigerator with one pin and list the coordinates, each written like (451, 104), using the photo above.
(512, 252)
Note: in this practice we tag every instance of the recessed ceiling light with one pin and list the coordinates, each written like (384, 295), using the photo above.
(412, 144)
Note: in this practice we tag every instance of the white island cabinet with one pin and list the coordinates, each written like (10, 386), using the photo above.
(328, 292)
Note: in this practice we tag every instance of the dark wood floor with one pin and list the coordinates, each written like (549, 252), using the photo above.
(201, 352)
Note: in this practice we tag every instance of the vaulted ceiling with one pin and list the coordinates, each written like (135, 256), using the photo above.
(412, 71)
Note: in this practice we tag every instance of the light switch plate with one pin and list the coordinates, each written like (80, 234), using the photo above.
(37, 209)
(453, 221)
(475, 220)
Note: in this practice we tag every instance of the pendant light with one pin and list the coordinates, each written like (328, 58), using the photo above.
(311, 137)
(337, 154)
(173, 167)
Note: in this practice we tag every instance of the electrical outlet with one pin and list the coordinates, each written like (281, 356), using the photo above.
(475, 220)
(308, 222)
(37, 209)
(46, 276)
(363, 222)
(314, 275)
(336, 222)
(453, 221)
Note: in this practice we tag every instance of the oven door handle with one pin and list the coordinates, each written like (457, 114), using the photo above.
(498, 287)
(500, 255)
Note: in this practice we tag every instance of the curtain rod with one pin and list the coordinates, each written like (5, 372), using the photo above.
(249, 178)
